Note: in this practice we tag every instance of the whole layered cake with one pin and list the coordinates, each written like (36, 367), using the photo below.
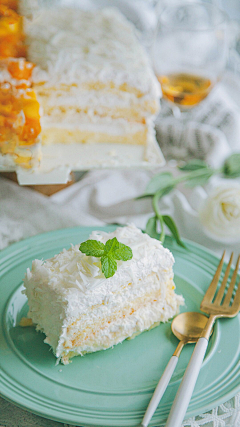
(91, 76)
(85, 303)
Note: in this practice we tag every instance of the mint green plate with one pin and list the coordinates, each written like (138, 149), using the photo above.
(112, 387)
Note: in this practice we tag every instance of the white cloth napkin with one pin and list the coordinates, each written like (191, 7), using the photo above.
(24, 213)
(101, 197)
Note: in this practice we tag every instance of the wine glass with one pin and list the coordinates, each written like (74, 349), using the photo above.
(189, 53)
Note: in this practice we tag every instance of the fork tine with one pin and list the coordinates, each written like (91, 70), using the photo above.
(222, 288)
(228, 296)
(236, 301)
(213, 285)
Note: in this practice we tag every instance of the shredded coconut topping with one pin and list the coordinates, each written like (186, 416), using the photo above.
(76, 46)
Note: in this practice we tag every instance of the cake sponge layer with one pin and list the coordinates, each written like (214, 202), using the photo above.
(102, 130)
(141, 315)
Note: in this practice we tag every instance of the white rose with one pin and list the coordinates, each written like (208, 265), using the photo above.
(220, 212)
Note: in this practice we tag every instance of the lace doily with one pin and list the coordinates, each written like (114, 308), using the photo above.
(225, 415)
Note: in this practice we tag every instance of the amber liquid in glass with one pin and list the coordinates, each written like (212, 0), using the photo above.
(185, 89)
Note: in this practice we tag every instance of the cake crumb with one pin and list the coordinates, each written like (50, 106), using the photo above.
(25, 321)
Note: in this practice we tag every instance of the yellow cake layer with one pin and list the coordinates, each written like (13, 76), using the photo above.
(89, 86)
(51, 135)
(66, 356)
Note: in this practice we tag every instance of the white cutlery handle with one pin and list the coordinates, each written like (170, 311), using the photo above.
(184, 394)
(159, 390)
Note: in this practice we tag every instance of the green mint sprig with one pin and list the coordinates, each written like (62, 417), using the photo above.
(195, 172)
(109, 253)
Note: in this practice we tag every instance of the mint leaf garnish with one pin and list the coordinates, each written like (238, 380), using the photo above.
(109, 265)
(111, 245)
(110, 252)
(92, 248)
(123, 253)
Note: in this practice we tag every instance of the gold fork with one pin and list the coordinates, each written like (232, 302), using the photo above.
(225, 304)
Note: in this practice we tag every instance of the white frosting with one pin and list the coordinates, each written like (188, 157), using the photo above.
(76, 46)
(71, 285)
(71, 269)
(7, 162)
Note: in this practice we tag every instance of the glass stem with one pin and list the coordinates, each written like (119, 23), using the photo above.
(177, 114)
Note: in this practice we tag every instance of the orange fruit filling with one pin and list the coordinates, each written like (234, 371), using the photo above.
(19, 108)
(11, 4)
(11, 33)
(19, 115)
(20, 69)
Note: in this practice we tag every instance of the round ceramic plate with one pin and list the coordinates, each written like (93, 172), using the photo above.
(112, 387)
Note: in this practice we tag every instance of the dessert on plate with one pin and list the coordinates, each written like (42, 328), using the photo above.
(83, 306)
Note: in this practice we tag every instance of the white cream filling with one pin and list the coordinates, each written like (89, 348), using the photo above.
(97, 124)
(77, 97)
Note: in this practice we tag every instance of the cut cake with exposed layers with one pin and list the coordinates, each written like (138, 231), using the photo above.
(92, 77)
(80, 311)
